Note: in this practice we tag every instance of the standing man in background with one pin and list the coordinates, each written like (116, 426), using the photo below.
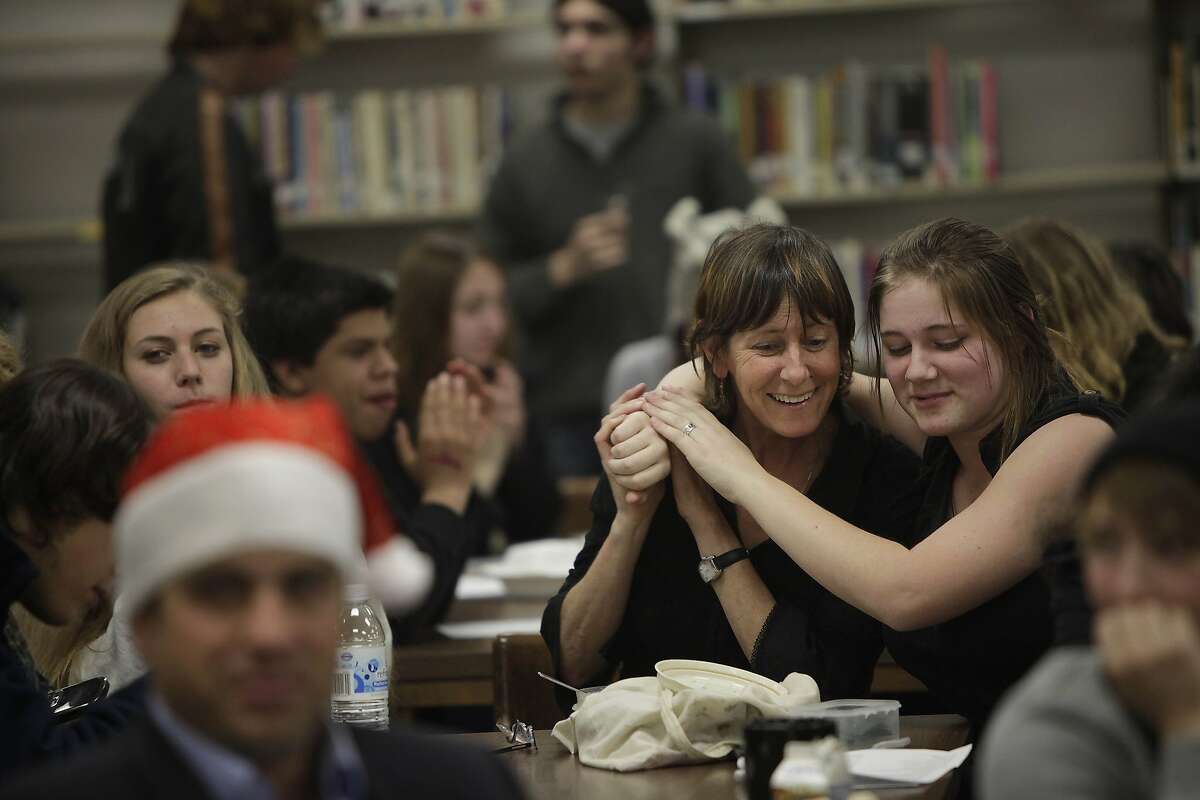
(185, 183)
(575, 215)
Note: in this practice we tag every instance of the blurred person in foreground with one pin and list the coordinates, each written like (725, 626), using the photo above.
(185, 183)
(67, 433)
(1121, 719)
(236, 531)
(575, 214)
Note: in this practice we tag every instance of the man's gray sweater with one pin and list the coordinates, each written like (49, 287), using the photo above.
(545, 183)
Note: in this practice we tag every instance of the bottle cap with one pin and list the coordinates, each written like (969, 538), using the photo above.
(356, 593)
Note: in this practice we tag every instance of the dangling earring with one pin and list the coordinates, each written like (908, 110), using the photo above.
(845, 375)
(724, 398)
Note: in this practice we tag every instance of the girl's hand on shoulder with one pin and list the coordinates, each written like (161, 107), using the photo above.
(1151, 654)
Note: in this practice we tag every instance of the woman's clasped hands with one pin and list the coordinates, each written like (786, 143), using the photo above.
(638, 455)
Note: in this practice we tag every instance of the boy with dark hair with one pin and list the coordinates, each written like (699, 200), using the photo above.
(323, 329)
(67, 433)
(320, 329)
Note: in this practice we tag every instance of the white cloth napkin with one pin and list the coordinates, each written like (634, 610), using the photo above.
(905, 766)
(637, 724)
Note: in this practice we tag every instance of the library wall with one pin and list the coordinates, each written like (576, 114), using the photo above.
(1076, 92)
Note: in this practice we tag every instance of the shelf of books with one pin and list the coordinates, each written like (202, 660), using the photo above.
(379, 156)
(705, 11)
(858, 131)
(356, 20)
(344, 21)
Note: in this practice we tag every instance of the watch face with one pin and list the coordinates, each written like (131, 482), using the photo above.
(708, 570)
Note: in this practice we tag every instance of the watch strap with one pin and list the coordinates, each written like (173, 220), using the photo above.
(732, 557)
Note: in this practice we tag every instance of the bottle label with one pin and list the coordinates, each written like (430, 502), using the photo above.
(360, 672)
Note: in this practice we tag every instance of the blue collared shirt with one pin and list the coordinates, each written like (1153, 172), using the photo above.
(230, 776)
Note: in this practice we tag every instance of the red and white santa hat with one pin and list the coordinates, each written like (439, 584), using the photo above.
(219, 480)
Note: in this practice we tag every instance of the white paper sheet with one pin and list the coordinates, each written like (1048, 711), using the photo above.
(488, 628)
(478, 587)
(905, 766)
(540, 558)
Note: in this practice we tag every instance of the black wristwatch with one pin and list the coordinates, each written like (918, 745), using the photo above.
(711, 567)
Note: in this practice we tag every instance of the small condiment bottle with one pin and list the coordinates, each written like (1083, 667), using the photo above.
(811, 770)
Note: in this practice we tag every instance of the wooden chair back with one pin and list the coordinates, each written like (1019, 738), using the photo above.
(518, 692)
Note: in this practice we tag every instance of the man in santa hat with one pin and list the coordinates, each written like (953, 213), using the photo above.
(235, 534)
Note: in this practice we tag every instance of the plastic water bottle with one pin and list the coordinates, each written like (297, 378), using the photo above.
(360, 676)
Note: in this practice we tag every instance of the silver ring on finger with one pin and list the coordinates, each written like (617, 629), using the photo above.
(687, 429)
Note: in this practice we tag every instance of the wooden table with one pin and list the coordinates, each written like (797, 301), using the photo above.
(454, 672)
(458, 672)
(551, 772)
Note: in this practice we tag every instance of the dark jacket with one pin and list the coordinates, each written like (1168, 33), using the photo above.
(30, 734)
(546, 182)
(868, 480)
(153, 198)
(142, 764)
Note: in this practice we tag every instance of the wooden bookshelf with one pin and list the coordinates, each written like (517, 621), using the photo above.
(66, 231)
(334, 221)
(386, 29)
(83, 40)
(1042, 181)
(334, 34)
(1186, 173)
(1147, 174)
(707, 11)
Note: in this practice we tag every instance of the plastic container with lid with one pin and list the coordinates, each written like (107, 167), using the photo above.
(860, 723)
